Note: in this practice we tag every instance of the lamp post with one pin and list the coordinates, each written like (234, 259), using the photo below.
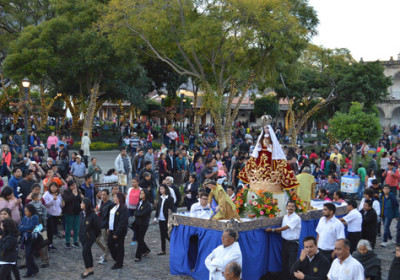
(26, 85)
(182, 96)
(58, 126)
(162, 117)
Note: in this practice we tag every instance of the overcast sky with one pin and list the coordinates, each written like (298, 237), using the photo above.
(368, 28)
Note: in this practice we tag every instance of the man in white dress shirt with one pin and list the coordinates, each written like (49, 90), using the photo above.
(201, 209)
(353, 220)
(221, 256)
(345, 267)
(290, 231)
(329, 230)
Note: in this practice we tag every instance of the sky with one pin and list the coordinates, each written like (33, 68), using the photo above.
(368, 28)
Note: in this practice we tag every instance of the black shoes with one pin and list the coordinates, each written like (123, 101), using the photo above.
(83, 276)
(145, 254)
(76, 245)
(117, 266)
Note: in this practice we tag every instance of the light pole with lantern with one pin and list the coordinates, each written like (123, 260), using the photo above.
(162, 117)
(182, 96)
(26, 85)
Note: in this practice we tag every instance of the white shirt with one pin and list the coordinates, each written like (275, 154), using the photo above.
(329, 232)
(220, 257)
(353, 220)
(349, 269)
(112, 216)
(294, 223)
(198, 211)
(375, 204)
(172, 135)
(161, 214)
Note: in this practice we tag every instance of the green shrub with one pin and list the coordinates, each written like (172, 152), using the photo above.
(156, 146)
(97, 146)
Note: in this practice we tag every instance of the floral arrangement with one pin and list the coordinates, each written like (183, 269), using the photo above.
(300, 206)
(240, 199)
(264, 205)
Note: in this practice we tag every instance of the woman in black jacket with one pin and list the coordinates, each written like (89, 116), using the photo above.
(89, 229)
(117, 229)
(164, 206)
(191, 190)
(8, 248)
(141, 223)
(72, 198)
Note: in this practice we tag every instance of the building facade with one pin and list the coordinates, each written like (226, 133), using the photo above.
(389, 109)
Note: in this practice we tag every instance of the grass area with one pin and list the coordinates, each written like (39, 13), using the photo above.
(97, 146)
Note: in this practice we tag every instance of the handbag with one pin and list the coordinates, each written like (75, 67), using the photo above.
(131, 220)
(122, 179)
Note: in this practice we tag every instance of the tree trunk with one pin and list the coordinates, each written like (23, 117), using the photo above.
(91, 110)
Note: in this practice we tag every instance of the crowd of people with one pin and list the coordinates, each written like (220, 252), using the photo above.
(51, 187)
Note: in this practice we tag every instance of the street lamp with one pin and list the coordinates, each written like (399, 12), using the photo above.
(182, 95)
(26, 85)
(58, 126)
(162, 117)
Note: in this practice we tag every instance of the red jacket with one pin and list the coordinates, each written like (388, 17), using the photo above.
(392, 178)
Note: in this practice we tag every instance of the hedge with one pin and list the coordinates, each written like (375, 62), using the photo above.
(97, 146)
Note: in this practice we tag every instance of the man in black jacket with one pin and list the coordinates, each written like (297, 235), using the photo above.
(311, 264)
(148, 168)
(170, 183)
(25, 185)
(369, 223)
(104, 212)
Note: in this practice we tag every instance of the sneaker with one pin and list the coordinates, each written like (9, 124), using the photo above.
(384, 244)
(76, 245)
(51, 247)
(133, 243)
(390, 242)
(102, 261)
(68, 246)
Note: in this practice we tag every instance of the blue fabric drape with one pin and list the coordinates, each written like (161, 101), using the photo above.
(261, 251)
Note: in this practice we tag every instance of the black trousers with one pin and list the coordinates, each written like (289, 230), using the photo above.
(289, 256)
(116, 247)
(87, 253)
(30, 260)
(327, 254)
(163, 233)
(5, 271)
(51, 227)
(353, 237)
(142, 247)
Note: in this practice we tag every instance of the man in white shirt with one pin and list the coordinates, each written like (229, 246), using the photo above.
(172, 136)
(329, 230)
(230, 191)
(290, 231)
(345, 267)
(221, 256)
(353, 220)
(201, 209)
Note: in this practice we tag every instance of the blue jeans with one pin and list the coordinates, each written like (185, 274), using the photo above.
(361, 190)
(398, 232)
(386, 229)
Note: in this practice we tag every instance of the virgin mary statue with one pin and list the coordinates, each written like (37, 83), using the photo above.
(267, 169)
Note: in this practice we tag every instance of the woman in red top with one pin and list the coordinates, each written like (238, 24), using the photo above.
(6, 162)
(132, 200)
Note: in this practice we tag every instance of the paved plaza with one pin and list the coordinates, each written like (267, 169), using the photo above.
(68, 263)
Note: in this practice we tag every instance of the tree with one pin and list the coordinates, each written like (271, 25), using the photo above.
(68, 54)
(266, 105)
(225, 45)
(322, 76)
(356, 125)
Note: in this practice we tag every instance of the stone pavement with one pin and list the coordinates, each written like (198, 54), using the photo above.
(68, 264)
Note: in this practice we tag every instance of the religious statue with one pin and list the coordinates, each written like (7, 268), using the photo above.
(267, 169)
